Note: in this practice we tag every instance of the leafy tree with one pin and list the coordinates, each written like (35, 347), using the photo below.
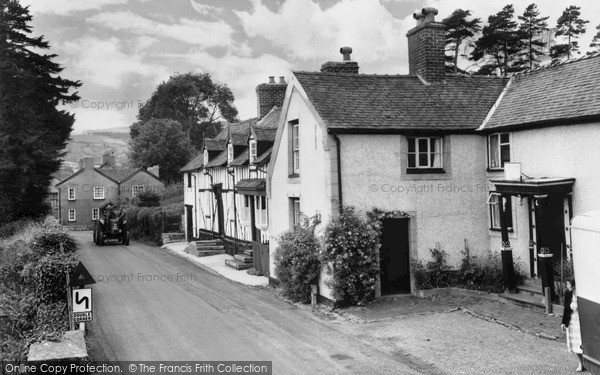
(458, 30)
(162, 142)
(193, 100)
(571, 26)
(33, 133)
(500, 43)
(596, 41)
(532, 26)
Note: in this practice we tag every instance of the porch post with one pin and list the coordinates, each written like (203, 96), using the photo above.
(507, 257)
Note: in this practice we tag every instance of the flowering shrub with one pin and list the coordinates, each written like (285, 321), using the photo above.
(297, 263)
(351, 255)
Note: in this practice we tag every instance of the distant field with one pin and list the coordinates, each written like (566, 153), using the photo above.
(96, 143)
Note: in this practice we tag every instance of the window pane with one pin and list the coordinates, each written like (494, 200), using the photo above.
(436, 160)
(436, 145)
(505, 154)
(504, 138)
(423, 145)
(411, 145)
(411, 161)
(494, 149)
(496, 215)
(423, 159)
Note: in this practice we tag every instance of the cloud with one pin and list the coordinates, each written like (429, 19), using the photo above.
(201, 33)
(103, 63)
(65, 7)
(205, 10)
(306, 31)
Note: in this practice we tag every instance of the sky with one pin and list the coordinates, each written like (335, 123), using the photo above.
(122, 49)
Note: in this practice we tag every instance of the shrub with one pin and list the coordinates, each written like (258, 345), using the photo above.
(148, 199)
(49, 276)
(297, 263)
(52, 241)
(350, 254)
(149, 223)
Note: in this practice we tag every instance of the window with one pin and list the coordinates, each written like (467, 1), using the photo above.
(495, 200)
(499, 150)
(71, 194)
(252, 150)
(260, 205)
(98, 192)
(246, 209)
(95, 213)
(425, 153)
(295, 148)
(229, 153)
(54, 200)
(72, 216)
(137, 190)
(189, 179)
(295, 211)
(205, 157)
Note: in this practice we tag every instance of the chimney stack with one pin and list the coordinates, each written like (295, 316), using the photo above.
(426, 47)
(87, 163)
(269, 95)
(109, 158)
(346, 66)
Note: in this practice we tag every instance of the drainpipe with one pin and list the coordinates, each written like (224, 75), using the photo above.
(232, 174)
(338, 147)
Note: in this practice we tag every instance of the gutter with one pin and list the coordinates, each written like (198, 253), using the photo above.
(338, 147)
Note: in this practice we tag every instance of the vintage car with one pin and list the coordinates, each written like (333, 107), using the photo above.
(111, 225)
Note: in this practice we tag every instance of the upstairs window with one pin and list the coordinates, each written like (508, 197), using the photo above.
(295, 147)
(71, 194)
(261, 217)
(229, 153)
(499, 150)
(189, 180)
(137, 190)
(98, 192)
(253, 151)
(425, 153)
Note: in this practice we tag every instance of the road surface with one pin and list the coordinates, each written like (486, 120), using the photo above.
(150, 304)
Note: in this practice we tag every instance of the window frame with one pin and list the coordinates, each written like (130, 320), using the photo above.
(498, 151)
(69, 191)
(95, 213)
(295, 214)
(135, 188)
(72, 210)
(295, 147)
(495, 210)
(261, 214)
(430, 152)
(98, 196)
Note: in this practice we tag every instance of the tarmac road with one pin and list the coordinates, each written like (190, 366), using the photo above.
(150, 304)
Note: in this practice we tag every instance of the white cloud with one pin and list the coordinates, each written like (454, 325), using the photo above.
(64, 7)
(95, 119)
(102, 62)
(205, 10)
(306, 31)
(201, 33)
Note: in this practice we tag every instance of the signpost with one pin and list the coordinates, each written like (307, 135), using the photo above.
(79, 297)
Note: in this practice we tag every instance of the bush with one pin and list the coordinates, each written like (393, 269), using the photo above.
(297, 263)
(148, 199)
(49, 276)
(53, 242)
(350, 254)
(149, 222)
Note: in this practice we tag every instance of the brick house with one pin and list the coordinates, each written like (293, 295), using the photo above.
(81, 194)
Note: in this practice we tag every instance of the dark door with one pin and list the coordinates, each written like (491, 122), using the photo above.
(218, 191)
(253, 219)
(550, 222)
(394, 257)
(189, 223)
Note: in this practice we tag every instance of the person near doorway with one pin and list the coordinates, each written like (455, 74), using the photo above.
(570, 323)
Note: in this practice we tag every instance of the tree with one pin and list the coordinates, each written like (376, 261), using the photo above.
(33, 132)
(571, 26)
(596, 40)
(500, 43)
(162, 142)
(458, 30)
(193, 100)
(532, 26)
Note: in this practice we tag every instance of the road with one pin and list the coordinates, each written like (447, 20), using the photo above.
(150, 304)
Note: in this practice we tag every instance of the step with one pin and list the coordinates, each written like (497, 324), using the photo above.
(209, 242)
(205, 253)
(532, 290)
(244, 258)
(249, 252)
(533, 282)
(210, 247)
(237, 264)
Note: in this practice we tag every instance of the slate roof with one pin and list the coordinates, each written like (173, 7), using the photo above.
(264, 158)
(365, 102)
(117, 174)
(242, 158)
(240, 132)
(218, 161)
(264, 135)
(194, 164)
(251, 184)
(567, 92)
(215, 144)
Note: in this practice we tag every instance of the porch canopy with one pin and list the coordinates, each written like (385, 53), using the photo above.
(251, 186)
(535, 186)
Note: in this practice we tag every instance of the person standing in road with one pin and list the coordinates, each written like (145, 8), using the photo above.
(570, 323)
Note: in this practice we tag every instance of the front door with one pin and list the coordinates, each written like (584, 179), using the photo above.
(550, 224)
(189, 223)
(394, 257)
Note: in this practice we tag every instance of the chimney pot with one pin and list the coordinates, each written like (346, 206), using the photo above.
(282, 80)
(429, 13)
(271, 79)
(346, 51)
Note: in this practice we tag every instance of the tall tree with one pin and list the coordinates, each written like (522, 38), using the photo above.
(532, 28)
(596, 40)
(193, 100)
(570, 26)
(500, 43)
(33, 132)
(161, 142)
(458, 30)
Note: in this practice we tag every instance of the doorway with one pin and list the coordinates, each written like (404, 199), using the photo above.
(189, 223)
(394, 258)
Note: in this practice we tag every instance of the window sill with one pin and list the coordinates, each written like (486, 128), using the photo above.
(98, 199)
(494, 169)
(294, 175)
(425, 171)
(510, 230)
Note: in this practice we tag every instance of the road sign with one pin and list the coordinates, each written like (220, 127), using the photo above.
(82, 300)
(79, 317)
(81, 276)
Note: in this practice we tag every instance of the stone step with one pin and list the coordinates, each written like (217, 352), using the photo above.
(244, 258)
(532, 290)
(215, 247)
(209, 242)
(205, 253)
(249, 252)
(237, 264)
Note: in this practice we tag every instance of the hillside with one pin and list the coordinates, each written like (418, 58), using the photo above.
(96, 142)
